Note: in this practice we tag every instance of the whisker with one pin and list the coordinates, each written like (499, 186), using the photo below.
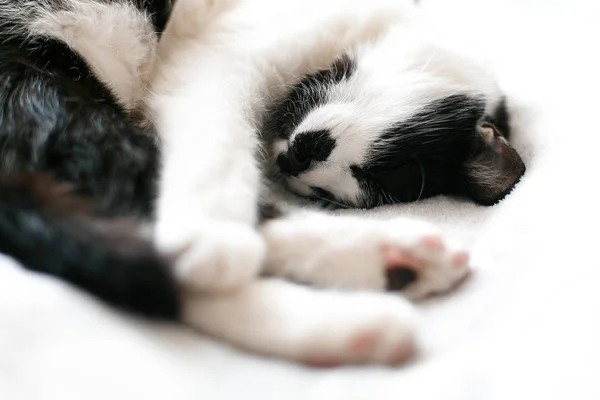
(428, 61)
(331, 201)
(422, 179)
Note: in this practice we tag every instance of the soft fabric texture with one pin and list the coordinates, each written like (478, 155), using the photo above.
(525, 326)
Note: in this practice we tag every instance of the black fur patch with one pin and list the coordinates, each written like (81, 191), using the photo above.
(307, 95)
(306, 148)
(50, 231)
(422, 156)
(58, 118)
(159, 11)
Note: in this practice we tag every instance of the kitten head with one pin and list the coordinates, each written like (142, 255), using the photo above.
(376, 129)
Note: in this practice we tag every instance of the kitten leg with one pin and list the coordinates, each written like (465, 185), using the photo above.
(206, 210)
(358, 253)
(318, 327)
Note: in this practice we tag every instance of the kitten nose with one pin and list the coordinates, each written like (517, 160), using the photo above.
(293, 163)
(306, 147)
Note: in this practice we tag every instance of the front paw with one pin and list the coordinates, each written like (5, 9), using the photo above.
(400, 254)
(423, 265)
(358, 328)
(212, 255)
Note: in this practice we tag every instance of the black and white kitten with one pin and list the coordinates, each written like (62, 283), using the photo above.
(384, 115)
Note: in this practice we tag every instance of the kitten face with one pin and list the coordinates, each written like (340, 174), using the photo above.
(377, 128)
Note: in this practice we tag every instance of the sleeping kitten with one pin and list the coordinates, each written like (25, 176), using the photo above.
(75, 75)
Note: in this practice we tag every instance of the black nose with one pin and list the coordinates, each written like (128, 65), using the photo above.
(308, 146)
(289, 163)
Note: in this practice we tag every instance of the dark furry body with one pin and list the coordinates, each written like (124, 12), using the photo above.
(57, 119)
(49, 230)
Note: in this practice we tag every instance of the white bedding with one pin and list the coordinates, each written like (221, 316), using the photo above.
(527, 326)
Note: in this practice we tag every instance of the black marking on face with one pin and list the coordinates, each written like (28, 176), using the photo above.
(306, 148)
(422, 156)
(306, 96)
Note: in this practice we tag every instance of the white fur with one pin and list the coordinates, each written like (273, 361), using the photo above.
(210, 179)
(277, 318)
(115, 38)
(349, 252)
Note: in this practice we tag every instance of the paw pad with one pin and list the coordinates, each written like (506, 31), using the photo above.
(399, 278)
(363, 343)
(395, 258)
(426, 268)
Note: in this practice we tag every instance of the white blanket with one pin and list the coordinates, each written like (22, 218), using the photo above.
(527, 326)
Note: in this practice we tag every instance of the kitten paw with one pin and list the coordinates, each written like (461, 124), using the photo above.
(411, 256)
(424, 266)
(220, 256)
(365, 328)
(321, 328)
(353, 253)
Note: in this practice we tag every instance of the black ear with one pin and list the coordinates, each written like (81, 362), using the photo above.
(493, 169)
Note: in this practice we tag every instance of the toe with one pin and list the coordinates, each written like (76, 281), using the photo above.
(433, 243)
(397, 258)
(460, 260)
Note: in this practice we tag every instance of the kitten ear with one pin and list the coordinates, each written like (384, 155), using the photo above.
(493, 169)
